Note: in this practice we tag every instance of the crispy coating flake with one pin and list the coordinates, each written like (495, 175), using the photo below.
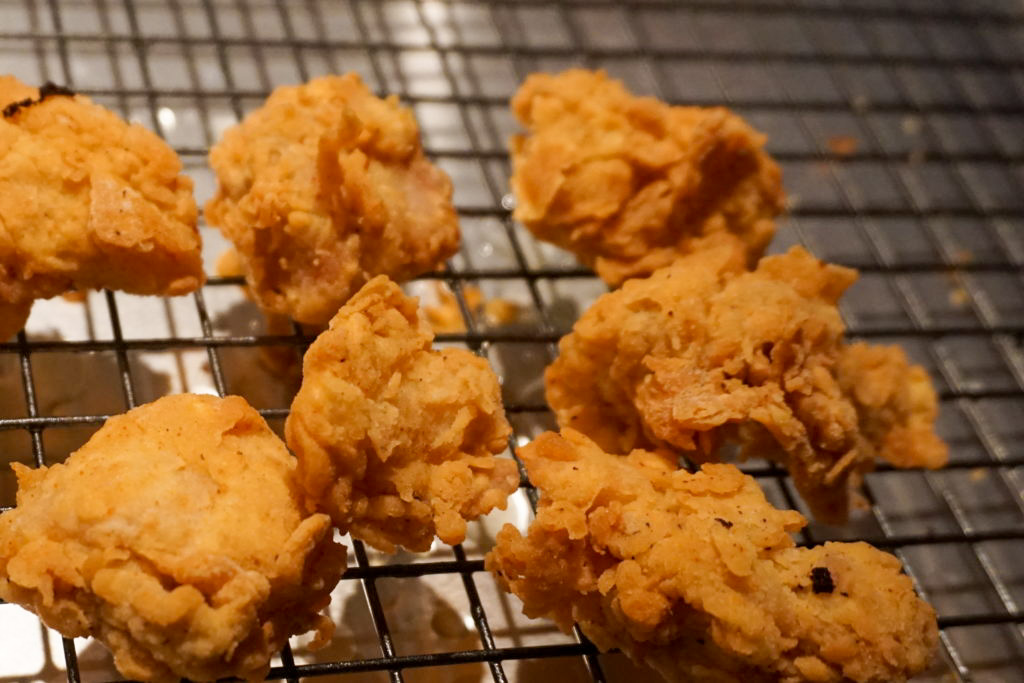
(324, 187)
(177, 536)
(702, 354)
(396, 440)
(628, 183)
(696, 574)
(89, 201)
(13, 318)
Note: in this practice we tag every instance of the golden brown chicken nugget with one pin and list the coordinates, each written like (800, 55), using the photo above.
(629, 183)
(178, 537)
(703, 354)
(397, 441)
(89, 201)
(697, 576)
(324, 187)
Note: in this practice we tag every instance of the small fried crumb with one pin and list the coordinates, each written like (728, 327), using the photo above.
(843, 145)
(958, 297)
(446, 316)
(963, 256)
(500, 312)
(229, 264)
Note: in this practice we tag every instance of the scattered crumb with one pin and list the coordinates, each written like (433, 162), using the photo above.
(861, 102)
(76, 296)
(842, 145)
(229, 264)
(962, 256)
(911, 125)
(446, 317)
(979, 474)
(501, 312)
(958, 297)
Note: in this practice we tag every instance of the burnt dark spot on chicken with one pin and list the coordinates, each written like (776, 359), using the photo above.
(47, 90)
(821, 580)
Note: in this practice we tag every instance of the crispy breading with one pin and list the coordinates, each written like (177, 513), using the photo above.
(703, 354)
(697, 576)
(397, 440)
(13, 318)
(178, 537)
(628, 183)
(88, 201)
(896, 404)
(324, 187)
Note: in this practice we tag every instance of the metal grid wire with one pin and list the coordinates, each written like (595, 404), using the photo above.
(900, 129)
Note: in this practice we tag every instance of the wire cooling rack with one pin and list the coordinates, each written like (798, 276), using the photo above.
(900, 131)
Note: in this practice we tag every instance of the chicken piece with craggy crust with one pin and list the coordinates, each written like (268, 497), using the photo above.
(178, 537)
(88, 201)
(12, 318)
(696, 575)
(703, 354)
(397, 441)
(629, 183)
(324, 187)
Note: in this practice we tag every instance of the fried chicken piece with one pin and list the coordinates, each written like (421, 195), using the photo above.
(696, 574)
(324, 187)
(12, 318)
(396, 440)
(177, 536)
(703, 354)
(88, 201)
(629, 183)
